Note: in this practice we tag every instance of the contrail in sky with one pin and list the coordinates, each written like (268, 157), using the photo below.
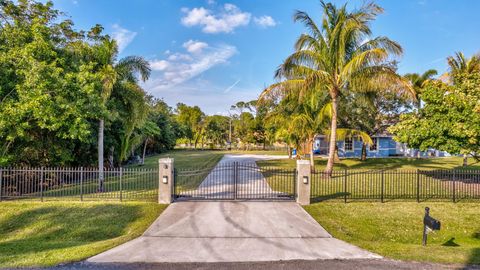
(231, 86)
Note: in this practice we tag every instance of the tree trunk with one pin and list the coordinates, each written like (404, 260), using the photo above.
(364, 152)
(312, 160)
(101, 128)
(289, 149)
(144, 151)
(465, 160)
(333, 137)
(111, 163)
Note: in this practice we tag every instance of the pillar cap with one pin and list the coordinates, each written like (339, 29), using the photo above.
(165, 160)
(303, 162)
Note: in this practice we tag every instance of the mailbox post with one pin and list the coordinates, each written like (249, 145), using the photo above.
(429, 224)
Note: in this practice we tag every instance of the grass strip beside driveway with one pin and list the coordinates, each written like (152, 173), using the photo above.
(49, 233)
(394, 230)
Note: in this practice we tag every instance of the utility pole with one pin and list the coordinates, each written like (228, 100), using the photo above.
(230, 135)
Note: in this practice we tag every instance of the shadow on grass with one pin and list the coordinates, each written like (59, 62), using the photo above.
(333, 196)
(57, 227)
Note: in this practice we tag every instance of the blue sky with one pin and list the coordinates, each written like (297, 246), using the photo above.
(214, 53)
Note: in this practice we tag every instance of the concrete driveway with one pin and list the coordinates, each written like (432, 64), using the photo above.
(232, 232)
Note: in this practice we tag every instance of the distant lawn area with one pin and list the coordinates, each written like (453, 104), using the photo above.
(185, 159)
(394, 230)
(383, 163)
(49, 233)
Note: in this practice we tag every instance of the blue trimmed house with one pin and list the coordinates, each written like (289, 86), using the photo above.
(383, 146)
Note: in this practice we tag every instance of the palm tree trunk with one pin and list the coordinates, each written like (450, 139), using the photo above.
(364, 152)
(144, 151)
(289, 149)
(312, 160)
(101, 128)
(333, 137)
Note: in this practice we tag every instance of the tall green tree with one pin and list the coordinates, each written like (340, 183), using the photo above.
(47, 92)
(114, 74)
(338, 55)
(450, 120)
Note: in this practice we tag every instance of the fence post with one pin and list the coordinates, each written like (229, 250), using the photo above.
(41, 183)
(121, 187)
(235, 179)
(1, 183)
(345, 185)
(303, 182)
(453, 183)
(418, 185)
(165, 180)
(383, 186)
(81, 184)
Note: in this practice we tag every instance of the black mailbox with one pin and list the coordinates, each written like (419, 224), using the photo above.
(429, 223)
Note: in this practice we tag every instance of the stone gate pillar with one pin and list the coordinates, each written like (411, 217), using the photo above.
(165, 180)
(303, 182)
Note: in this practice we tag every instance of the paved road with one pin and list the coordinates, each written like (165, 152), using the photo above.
(378, 264)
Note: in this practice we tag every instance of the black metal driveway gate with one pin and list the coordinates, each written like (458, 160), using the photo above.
(235, 181)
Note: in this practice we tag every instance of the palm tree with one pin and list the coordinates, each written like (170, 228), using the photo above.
(459, 64)
(339, 55)
(113, 72)
(418, 82)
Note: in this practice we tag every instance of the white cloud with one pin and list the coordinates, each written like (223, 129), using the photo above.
(265, 21)
(193, 46)
(229, 18)
(181, 67)
(123, 36)
(159, 65)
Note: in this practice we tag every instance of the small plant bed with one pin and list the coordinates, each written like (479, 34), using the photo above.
(50, 233)
(394, 230)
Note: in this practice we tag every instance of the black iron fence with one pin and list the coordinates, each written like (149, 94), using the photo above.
(78, 184)
(388, 185)
(234, 181)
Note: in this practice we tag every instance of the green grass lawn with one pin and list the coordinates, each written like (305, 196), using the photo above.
(395, 230)
(49, 233)
(382, 163)
(185, 159)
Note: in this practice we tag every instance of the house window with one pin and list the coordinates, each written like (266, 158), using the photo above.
(348, 144)
(374, 146)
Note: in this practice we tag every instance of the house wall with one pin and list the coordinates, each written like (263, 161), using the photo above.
(386, 147)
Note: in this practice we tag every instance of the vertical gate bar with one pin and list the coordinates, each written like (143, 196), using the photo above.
(382, 186)
(1, 183)
(453, 183)
(345, 185)
(81, 183)
(235, 168)
(418, 185)
(121, 193)
(41, 184)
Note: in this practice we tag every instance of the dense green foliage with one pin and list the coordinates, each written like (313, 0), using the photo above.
(450, 119)
(56, 83)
